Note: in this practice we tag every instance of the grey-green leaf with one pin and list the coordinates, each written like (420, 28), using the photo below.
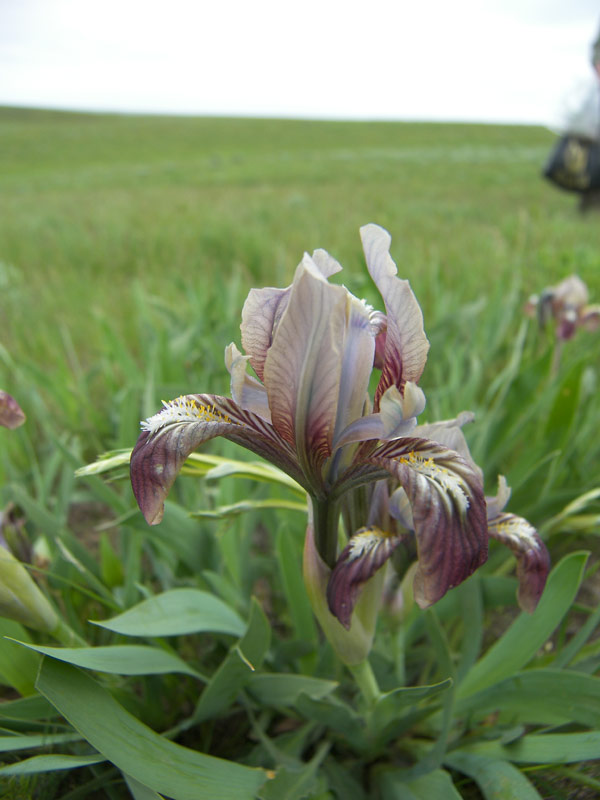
(176, 612)
(279, 689)
(126, 659)
(135, 749)
(498, 780)
(529, 631)
(51, 763)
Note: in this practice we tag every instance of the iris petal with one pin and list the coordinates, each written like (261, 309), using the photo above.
(406, 345)
(246, 391)
(261, 313)
(533, 560)
(303, 368)
(448, 508)
(366, 552)
(11, 414)
(169, 437)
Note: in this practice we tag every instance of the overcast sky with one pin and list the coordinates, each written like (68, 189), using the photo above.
(493, 60)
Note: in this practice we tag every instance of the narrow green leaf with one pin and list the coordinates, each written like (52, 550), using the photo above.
(278, 689)
(390, 705)
(18, 667)
(12, 743)
(290, 784)
(546, 748)
(135, 749)
(178, 611)
(51, 763)
(341, 781)
(127, 659)
(434, 757)
(471, 605)
(244, 506)
(539, 696)
(336, 715)
(577, 642)
(498, 780)
(139, 791)
(435, 784)
(289, 557)
(529, 631)
(236, 670)
(28, 709)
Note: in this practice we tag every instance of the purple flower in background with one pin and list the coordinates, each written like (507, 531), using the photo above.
(567, 304)
(11, 414)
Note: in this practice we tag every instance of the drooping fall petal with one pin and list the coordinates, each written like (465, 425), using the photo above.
(406, 345)
(447, 503)
(169, 437)
(366, 552)
(533, 560)
(11, 414)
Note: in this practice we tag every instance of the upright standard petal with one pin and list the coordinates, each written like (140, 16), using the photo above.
(169, 437)
(406, 345)
(448, 508)
(303, 368)
(260, 316)
(246, 391)
(11, 414)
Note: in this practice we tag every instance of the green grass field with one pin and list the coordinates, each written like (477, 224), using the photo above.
(128, 245)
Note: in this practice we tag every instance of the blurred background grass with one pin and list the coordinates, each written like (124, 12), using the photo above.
(128, 245)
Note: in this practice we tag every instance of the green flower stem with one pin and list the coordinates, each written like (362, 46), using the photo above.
(366, 681)
(326, 515)
(64, 634)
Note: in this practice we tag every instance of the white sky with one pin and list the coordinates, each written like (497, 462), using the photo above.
(493, 60)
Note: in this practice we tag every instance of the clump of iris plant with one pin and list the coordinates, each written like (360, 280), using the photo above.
(362, 460)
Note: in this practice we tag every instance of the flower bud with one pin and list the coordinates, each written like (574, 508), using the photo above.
(352, 646)
(20, 598)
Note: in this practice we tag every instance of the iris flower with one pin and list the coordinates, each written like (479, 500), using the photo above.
(313, 347)
(567, 304)
(391, 523)
(11, 414)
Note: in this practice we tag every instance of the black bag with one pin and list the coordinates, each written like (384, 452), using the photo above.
(574, 164)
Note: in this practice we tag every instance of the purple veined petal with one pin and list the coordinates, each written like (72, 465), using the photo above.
(396, 417)
(303, 368)
(448, 508)
(379, 328)
(366, 552)
(169, 437)
(260, 316)
(11, 413)
(263, 310)
(357, 351)
(246, 391)
(448, 433)
(533, 560)
(406, 345)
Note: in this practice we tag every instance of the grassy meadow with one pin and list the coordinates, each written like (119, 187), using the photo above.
(127, 247)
